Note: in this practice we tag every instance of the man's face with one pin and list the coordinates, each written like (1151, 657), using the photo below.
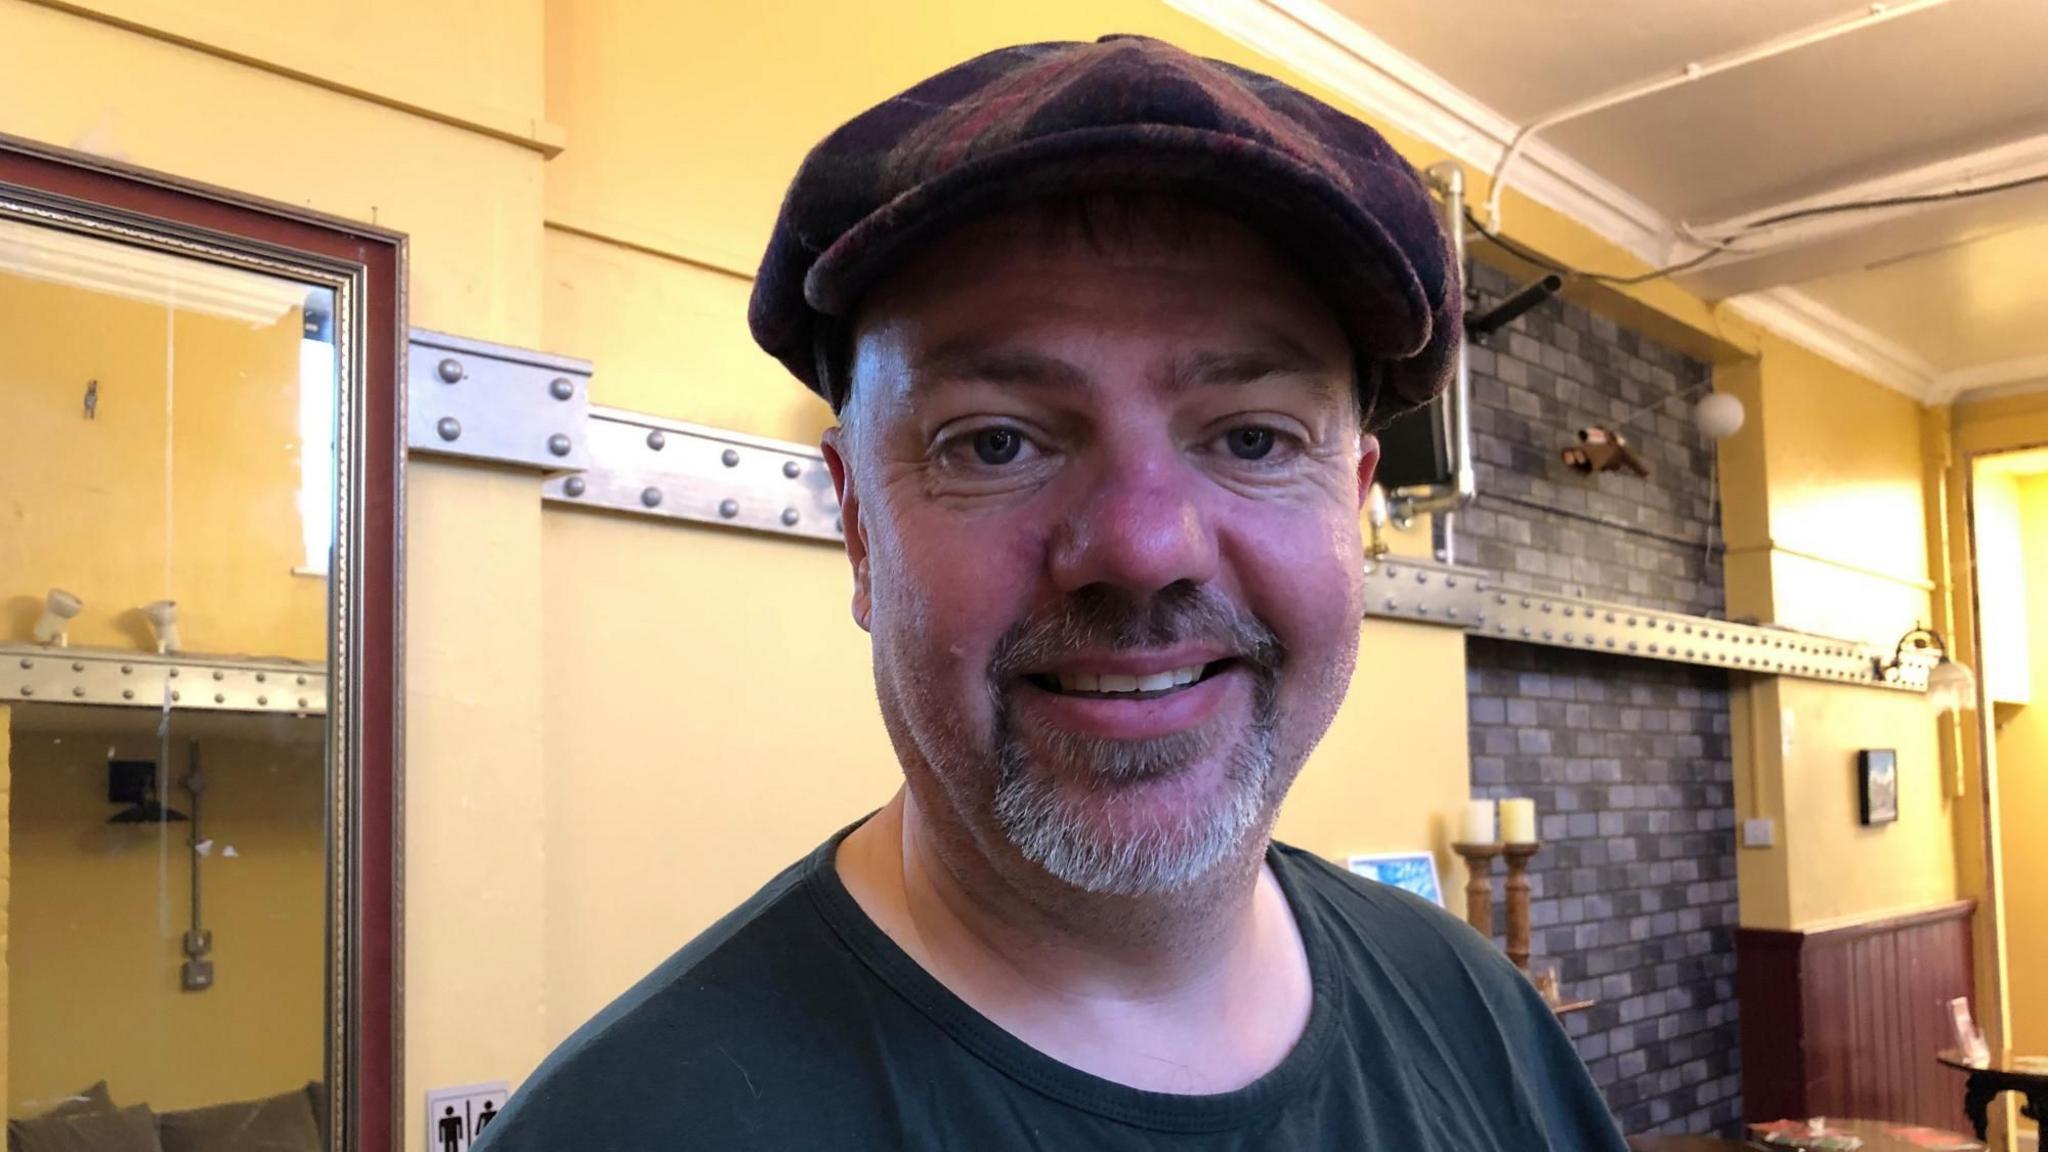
(1102, 501)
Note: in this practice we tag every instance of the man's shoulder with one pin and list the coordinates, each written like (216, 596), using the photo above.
(1410, 943)
(738, 1013)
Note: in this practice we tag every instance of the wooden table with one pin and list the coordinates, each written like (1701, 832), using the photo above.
(1871, 1132)
(2001, 1073)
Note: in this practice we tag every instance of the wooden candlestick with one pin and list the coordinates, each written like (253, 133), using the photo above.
(1478, 884)
(1518, 901)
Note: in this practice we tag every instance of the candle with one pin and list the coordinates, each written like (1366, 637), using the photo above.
(1479, 822)
(1518, 821)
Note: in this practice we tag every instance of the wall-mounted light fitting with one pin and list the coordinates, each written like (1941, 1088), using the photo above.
(55, 625)
(1951, 686)
(163, 621)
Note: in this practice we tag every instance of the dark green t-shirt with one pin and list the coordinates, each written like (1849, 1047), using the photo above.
(795, 1023)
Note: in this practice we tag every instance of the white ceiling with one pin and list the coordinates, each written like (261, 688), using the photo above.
(1934, 300)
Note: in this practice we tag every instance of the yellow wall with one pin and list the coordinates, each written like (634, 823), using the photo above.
(6, 895)
(99, 911)
(2022, 749)
(2002, 588)
(86, 506)
(1827, 529)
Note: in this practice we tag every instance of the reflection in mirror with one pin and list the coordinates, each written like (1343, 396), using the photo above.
(166, 523)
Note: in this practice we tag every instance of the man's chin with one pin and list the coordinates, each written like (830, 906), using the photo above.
(1153, 832)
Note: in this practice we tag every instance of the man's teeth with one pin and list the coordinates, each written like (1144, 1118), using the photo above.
(1111, 682)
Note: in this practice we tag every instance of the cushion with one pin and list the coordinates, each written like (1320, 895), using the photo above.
(93, 1099)
(280, 1123)
(116, 1130)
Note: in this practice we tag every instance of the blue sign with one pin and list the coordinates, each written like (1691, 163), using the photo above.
(1414, 871)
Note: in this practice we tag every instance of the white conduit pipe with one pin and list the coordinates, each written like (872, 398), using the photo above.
(1869, 17)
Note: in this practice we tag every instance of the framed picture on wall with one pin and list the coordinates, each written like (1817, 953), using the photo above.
(1414, 871)
(1877, 771)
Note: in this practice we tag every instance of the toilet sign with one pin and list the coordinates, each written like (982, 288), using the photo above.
(456, 1117)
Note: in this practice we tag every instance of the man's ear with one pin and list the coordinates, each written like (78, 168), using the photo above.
(834, 448)
(1368, 465)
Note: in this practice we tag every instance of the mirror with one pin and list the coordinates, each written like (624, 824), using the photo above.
(182, 757)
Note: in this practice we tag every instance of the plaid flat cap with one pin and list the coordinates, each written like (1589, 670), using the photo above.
(1124, 113)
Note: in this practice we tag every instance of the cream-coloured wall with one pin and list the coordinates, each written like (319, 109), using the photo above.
(98, 913)
(2002, 588)
(2022, 750)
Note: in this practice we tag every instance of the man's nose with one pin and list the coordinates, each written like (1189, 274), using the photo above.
(1140, 525)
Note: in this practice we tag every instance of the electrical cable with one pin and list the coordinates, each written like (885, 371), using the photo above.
(1726, 243)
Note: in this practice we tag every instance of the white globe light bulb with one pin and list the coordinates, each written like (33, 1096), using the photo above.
(1719, 415)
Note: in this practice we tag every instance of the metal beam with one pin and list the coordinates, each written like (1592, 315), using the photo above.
(183, 680)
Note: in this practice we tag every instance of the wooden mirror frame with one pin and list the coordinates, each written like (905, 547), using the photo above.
(366, 616)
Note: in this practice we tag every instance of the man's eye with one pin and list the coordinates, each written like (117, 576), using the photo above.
(1250, 443)
(996, 446)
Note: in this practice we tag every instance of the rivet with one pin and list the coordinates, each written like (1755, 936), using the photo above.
(1390, 603)
(1479, 618)
(219, 675)
(302, 679)
(792, 469)
(728, 508)
(1546, 634)
(302, 701)
(218, 698)
(27, 691)
(177, 696)
(1500, 598)
(1571, 637)
(1525, 632)
(1501, 628)
(651, 497)
(1653, 649)
(1422, 610)
(127, 693)
(1422, 577)
(261, 678)
(789, 517)
(731, 458)
(79, 691)
(1546, 609)
(559, 444)
(174, 673)
(449, 428)
(1610, 617)
(1631, 621)
(1525, 601)
(1450, 581)
(1450, 613)
(1610, 641)
(1632, 646)
(450, 371)
(78, 665)
(561, 388)
(263, 701)
(27, 663)
(839, 525)
(1569, 611)
(657, 440)
(573, 486)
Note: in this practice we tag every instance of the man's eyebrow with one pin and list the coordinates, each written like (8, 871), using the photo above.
(971, 360)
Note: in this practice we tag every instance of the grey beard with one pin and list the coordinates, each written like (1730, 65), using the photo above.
(1060, 837)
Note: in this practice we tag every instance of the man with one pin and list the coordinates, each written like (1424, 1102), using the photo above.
(1107, 327)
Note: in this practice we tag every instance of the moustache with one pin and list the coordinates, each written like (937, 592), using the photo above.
(1099, 618)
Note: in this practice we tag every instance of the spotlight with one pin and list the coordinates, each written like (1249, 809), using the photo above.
(163, 620)
(1951, 686)
(58, 609)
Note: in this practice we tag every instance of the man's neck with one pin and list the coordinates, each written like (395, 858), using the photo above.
(1195, 993)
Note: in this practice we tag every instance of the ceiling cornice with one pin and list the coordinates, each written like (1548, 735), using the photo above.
(1332, 50)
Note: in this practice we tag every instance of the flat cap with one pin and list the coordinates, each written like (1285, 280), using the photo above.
(1123, 113)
